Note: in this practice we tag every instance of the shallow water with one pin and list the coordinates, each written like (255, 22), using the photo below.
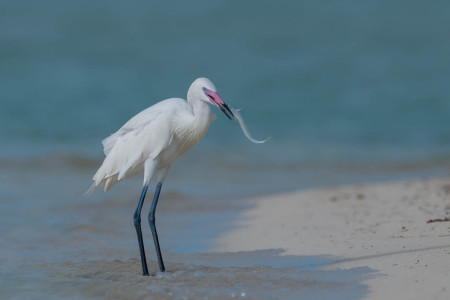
(349, 92)
(186, 280)
(75, 247)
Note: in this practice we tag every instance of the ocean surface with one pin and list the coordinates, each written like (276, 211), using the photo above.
(349, 91)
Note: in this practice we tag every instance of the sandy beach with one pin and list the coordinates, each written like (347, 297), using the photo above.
(399, 230)
(348, 200)
(371, 241)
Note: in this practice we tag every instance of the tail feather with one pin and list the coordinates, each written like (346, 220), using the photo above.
(90, 190)
(107, 183)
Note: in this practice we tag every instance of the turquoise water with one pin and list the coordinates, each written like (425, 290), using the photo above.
(330, 82)
(349, 91)
(359, 84)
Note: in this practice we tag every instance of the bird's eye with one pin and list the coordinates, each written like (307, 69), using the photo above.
(203, 88)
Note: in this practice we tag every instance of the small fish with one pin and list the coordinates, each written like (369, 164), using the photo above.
(238, 117)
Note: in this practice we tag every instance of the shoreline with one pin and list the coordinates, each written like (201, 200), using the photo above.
(359, 241)
(382, 226)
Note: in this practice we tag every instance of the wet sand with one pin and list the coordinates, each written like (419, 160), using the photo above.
(401, 231)
(355, 242)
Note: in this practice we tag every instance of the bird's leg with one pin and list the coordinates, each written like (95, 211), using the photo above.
(137, 224)
(151, 221)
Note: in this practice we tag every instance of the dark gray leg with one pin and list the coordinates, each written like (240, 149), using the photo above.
(151, 221)
(137, 224)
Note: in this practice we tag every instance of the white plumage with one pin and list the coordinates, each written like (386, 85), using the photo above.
(160, 133)
(150, 141)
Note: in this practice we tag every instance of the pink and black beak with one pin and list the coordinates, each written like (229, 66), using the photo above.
(215, 99)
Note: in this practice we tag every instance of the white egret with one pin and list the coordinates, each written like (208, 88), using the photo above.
(150, 141)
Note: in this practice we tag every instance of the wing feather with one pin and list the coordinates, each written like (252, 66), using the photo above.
(143, 137)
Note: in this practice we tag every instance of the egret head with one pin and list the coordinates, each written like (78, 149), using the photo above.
(203, 89)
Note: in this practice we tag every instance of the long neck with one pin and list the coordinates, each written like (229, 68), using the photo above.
(200, 108)
(190, 132)
(202, 116)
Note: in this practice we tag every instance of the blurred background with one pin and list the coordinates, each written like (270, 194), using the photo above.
(349, 91)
